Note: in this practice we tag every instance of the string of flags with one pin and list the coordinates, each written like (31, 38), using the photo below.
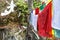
(42, 20)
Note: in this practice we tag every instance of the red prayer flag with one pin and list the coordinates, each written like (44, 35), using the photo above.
(37, 11)
(44, 21)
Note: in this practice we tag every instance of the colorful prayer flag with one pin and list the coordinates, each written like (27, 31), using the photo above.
(56, 18)
(56, 14)
(33, 18)
(44, 21)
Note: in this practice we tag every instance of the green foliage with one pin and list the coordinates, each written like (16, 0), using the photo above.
(22, 7)
(36, 4)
